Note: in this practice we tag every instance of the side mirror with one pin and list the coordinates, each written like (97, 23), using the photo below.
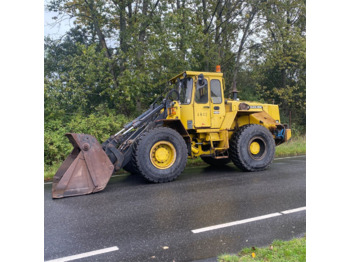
(200, 82)
(201, 79)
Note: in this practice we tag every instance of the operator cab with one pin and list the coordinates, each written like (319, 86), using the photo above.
(201, 99)
(184, 87)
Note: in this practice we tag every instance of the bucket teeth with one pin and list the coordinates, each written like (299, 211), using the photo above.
(86, 170)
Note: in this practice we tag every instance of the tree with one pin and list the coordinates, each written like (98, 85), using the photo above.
(281, 71)
(120, 54)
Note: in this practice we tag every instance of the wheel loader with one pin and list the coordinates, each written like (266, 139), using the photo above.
(192, 120)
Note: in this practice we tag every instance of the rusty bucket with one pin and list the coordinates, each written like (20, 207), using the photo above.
(86, 170)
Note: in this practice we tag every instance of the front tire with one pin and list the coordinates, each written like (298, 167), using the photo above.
(252, 148)
(160, 155)
(129, 167)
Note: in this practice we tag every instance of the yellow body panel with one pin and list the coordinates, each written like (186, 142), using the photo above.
(202, 115)
(273, 111)
(187, 116)
(288, 134)
(214, 121)
(228, 122)
(196, 73)
(212, 137)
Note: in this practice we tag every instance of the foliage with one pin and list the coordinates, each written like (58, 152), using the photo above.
(295, 146)
(281, 72)
(57, 146)
(118, 56)
(293, 250)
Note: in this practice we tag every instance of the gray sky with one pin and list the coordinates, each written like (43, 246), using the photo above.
(52, 30)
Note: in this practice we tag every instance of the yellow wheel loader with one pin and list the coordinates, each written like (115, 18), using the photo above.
(192, 120)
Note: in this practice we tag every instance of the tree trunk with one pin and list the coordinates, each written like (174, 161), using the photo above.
(141, 51)
(206, 45)
(102, 42)
(122, 22)
(240, 49)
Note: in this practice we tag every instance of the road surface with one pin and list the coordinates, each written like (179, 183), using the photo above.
(204, 213)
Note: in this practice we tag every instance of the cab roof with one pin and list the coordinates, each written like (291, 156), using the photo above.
(196, 73)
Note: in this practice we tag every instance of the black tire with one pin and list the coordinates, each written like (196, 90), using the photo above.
(146, 148)
(129, 167)
(241, 145)
(216, 162)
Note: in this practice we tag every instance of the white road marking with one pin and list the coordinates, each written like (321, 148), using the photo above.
(200, 230)
(87, 254)
(293, 210)
(248, 220)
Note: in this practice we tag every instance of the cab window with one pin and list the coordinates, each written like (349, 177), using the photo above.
(186, 91)
(201, 95)
(215, 91)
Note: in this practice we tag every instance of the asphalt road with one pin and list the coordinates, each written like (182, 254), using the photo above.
(154, 222)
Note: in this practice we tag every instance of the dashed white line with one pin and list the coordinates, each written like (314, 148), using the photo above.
(200, 230)
(87, 254)
(293, 210)
(248, 220)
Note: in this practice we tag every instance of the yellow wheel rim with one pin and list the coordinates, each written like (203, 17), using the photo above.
(254, 148)
(163, 154)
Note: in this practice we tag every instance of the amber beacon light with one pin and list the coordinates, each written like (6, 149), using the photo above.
(218, 69)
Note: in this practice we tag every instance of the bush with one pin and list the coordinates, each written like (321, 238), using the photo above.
(57, 146)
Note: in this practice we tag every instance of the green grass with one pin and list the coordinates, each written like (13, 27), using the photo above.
(279, 251)
(195, 162)
(50, 171)
(295, 146)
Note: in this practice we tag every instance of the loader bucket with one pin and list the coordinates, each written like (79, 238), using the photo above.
(86, 170)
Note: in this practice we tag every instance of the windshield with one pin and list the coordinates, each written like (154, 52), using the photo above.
(184, 87)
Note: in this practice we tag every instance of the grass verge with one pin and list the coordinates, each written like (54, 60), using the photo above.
(295, 146)
(50, 171)
(279, 251)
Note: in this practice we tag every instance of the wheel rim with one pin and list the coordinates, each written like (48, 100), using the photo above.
(257, 148)
(163, 154)
(254, 148)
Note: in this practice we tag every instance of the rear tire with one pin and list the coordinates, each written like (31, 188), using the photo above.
(160, 155)
(252, 148)
(216, 162)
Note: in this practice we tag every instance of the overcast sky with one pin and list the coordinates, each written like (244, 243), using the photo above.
(55, 31)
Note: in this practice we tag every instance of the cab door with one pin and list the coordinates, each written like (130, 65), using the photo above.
(217, 103)
(202, 109)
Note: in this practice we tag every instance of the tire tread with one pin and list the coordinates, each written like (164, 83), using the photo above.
(137, 158)
(234, 151)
